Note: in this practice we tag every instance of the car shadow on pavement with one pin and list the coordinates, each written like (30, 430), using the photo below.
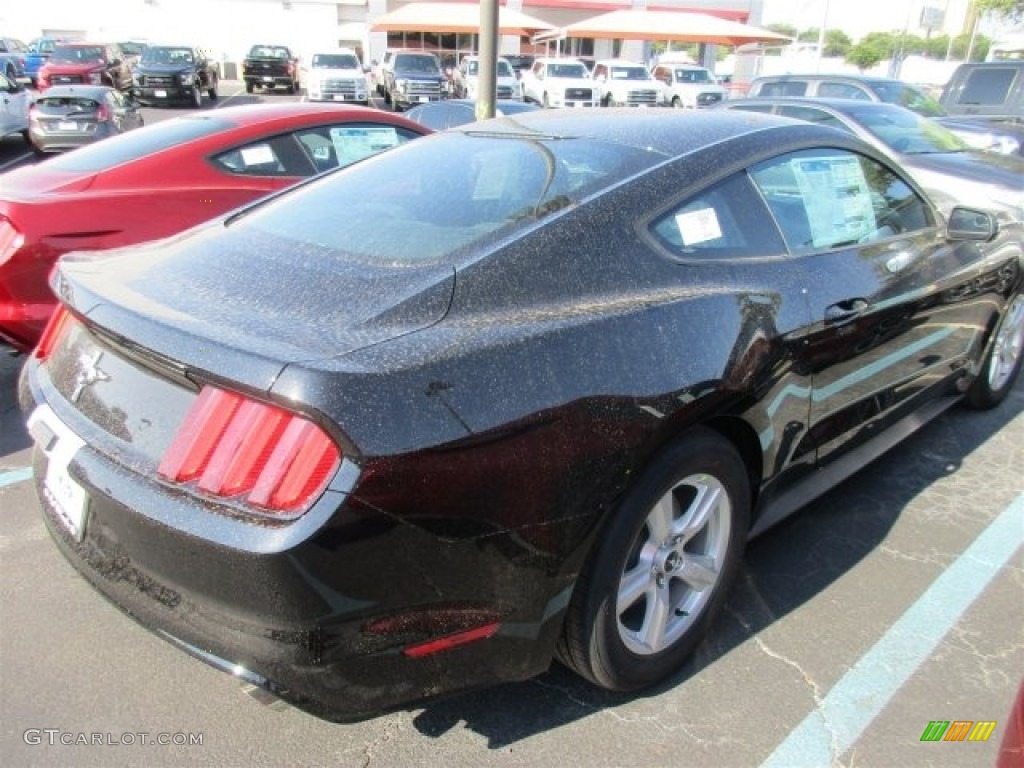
(14, 436)
(782, 570)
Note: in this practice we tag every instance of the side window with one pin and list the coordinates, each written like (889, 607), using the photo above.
(784, 88)
(812, 115)
(340, 145)
(762, 108)
(266, 157)
(724, 221)
(831, 198)
(842, 91)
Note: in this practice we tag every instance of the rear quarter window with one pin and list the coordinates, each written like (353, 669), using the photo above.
(133, 145)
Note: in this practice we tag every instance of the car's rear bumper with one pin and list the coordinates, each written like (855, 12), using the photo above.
(162, 94)
(325, 624)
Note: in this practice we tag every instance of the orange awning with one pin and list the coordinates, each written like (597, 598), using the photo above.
(455, 17)
(670, 26)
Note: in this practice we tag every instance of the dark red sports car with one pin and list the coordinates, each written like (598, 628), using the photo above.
(162, 179)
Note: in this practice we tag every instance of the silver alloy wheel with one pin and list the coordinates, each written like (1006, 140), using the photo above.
(674, 565)
(1008, 346)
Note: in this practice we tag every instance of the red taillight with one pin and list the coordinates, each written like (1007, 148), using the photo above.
(232, 446)
(33, 115)
(11, 239)
(103, 114)
(451, 641)
(58, 321)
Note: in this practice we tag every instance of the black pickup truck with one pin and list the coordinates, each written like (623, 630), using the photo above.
(174, 73)
(268, 66)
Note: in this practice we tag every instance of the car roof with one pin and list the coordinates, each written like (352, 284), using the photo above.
(74, 90)
(834, 104)
(868, 79)
(670, 132)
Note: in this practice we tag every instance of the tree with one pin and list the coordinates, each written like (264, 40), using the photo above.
(837, 42)
(1006, 9)
(783, 29)
(871, 49)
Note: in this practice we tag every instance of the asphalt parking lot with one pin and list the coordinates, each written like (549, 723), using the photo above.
(891, 602)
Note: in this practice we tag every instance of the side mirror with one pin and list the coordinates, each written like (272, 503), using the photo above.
(971, 224)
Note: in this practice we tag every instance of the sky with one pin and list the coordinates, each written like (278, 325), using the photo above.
(855, 17)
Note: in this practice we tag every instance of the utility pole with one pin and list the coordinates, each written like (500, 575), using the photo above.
(488, 59)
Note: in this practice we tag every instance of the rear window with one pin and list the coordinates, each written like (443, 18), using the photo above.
(434, 198)
(57, 102)
(132, 145)
(987, 86)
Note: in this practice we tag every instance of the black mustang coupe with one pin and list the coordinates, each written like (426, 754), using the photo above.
(517, 391)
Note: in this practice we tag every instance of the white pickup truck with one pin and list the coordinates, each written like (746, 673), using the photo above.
(560, 83)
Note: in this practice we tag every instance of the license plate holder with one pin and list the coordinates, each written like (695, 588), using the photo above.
(160, 94)
(68, 499)
(67, 125)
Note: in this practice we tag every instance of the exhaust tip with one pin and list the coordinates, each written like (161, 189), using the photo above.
(254, 685)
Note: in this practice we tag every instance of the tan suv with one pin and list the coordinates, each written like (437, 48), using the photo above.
(846, 87)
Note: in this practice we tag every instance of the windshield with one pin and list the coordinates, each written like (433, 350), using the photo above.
(41, 46)
(77, 54)
(501, 68)
(424, 64)
(267, 52)
(335, 61)
(567, 70)
(630, 73)
(907, 132)
(910, 97)
(442, 195)
(164, 55)
(693, 76)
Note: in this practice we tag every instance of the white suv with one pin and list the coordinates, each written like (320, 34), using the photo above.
(690, 86)
(628, 84)
(560, 83)
(468, 79)
(336, 75)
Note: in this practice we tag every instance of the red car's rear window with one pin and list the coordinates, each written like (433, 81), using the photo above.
(135, 144)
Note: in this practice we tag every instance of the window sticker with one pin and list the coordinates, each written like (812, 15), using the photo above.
(836, 197)
(261, 154)
(698, 226)
(352, 143)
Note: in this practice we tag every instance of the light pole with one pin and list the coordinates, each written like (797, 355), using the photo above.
(821, 38)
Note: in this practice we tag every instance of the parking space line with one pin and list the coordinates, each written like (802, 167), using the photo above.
(15, 476)
(834, 726)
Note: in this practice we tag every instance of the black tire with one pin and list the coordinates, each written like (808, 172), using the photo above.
(292, 87)
(212, 90)
(1003, 362)
(387, 96)
(249, 87)
(28, 138)
(644, 559)
(676, 103)
(197, 95)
